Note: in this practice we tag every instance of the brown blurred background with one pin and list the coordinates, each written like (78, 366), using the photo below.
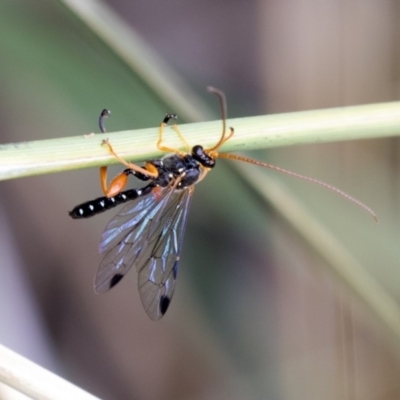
(255, 315)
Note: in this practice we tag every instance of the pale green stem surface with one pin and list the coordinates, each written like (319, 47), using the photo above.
(85, 150)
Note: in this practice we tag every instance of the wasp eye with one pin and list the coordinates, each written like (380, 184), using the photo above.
(198, 152)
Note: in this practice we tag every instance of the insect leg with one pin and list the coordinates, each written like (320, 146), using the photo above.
(149, 171)
(119, 182)
(103, 170)
(160, 144)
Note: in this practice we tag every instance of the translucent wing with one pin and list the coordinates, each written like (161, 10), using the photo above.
(158, 264)
(125, 236)
(148, 235)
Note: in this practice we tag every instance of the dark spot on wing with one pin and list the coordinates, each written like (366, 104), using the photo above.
(175, 269)
(164, 304)
(115, 279)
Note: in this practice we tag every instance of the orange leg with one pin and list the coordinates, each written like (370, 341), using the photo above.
(178, 131)
(116, 186)
(160, 144)
(119, 182)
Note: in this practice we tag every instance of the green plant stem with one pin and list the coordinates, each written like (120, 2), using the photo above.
(337, 124)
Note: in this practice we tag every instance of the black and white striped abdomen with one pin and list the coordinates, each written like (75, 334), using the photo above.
(97, 206)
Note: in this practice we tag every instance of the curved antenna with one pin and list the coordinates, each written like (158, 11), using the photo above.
(104, 114)
(305, 178)
(222, 102)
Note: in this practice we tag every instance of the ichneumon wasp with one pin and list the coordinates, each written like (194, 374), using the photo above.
(148, 232)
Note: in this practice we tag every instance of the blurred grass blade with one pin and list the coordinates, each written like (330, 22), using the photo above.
(339, 261)
(130, 47)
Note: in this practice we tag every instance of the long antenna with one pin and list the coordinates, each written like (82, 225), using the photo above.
(303, 177)
(222, 102)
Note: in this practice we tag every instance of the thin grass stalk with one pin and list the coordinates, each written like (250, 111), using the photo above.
(85, 150)
(35, 381)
